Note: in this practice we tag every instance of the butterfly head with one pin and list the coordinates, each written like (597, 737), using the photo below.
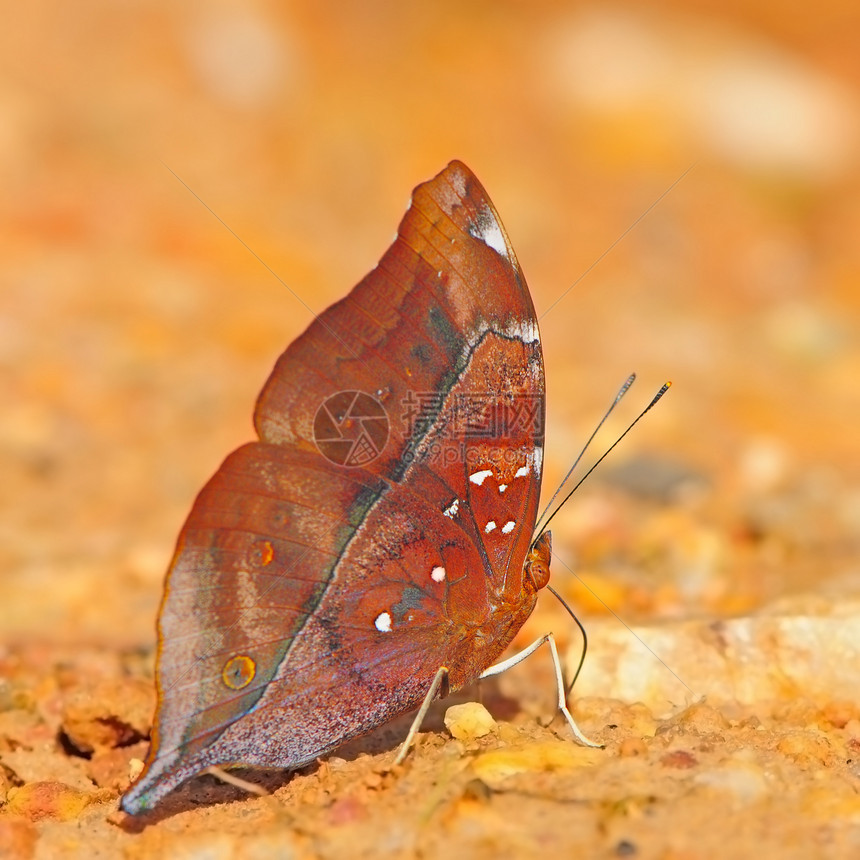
(537, 561)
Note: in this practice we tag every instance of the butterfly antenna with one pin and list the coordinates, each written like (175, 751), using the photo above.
(579, 624)
(621, 392)
(605, 454)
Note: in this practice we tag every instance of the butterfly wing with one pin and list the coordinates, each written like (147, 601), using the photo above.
(410, 325)
(308, 602)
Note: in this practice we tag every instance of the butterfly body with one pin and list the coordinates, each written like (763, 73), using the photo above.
(309, 601)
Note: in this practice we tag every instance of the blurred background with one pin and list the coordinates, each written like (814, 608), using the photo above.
(704, 155)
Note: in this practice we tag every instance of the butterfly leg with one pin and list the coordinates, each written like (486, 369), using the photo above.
(440, 682)
(236, 782)
(562, 703)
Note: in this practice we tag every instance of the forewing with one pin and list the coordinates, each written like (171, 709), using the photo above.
(406, 330)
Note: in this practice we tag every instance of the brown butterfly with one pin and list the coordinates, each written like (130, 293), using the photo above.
(378, 541)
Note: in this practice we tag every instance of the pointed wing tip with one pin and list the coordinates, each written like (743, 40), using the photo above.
(457, 166)
(455, 184)
(458, 176)
(159, 777)
(134, 803)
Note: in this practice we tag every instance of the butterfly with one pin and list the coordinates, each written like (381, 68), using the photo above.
(376, 543)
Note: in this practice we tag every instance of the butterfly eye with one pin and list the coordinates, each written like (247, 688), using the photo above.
(538, 573)
(537, 561)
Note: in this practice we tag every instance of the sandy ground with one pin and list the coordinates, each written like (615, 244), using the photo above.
(713, 558)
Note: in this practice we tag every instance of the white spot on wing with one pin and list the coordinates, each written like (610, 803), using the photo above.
(383, 622)
(489, 527)
(438, 574)
(538, 459)
(521, 472)
(502, 487)
(452, 509)
(479, 477)
(487, 229)
(525, 330)
(508, 527)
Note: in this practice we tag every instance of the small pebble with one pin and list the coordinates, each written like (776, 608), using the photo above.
(469, 721)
